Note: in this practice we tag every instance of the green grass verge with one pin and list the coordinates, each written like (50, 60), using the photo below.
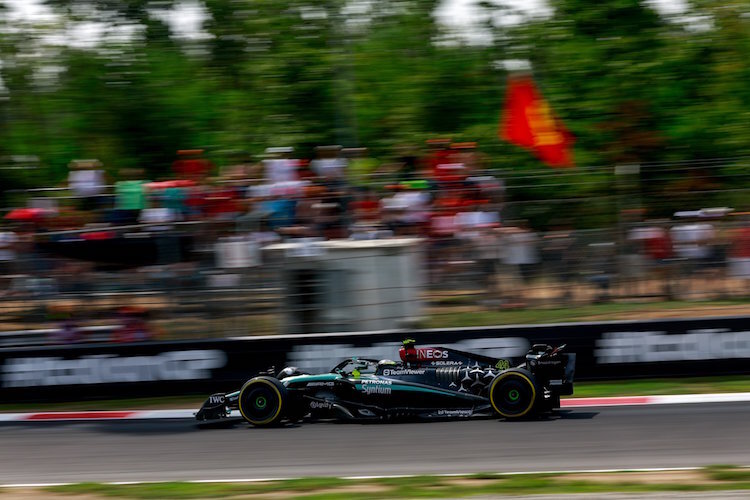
(710, 479)
(477, 316)
(728, 473)
(201, 490)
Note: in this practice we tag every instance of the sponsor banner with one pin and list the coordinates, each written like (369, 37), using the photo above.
(658, 346)
(110, 368)
(613, 350)
(111, 371)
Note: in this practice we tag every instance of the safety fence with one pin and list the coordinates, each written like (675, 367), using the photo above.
(200, 286)
(226, 274)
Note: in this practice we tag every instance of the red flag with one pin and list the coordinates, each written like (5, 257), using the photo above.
(528, 122)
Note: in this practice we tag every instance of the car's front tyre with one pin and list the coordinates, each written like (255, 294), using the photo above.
(514, 394)
(263, 401)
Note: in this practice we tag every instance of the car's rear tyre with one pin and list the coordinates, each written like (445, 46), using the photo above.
(515, 394)
(263, 401)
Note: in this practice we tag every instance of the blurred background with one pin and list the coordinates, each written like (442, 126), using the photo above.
(191, 169)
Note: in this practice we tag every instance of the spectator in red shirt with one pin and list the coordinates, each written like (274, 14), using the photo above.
(439, 159)
(191, 165)
(739, 253)
(657, 246)
(366, 207)
(133, 326)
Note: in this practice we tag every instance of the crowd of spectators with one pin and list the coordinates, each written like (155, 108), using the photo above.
(102, 219)
(340, 193)
(443, 195)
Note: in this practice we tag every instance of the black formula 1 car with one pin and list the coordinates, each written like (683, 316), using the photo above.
(428, 383)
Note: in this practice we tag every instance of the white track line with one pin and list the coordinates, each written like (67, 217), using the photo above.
(703, 398)
(732, 397)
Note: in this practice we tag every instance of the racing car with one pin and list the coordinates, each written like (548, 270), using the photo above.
(427, 383)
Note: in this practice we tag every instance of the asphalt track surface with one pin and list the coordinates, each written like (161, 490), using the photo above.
(577, 439)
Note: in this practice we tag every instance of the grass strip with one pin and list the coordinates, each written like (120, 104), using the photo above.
(712, 478)
(728, 473)
(177, 490)
(466, 314)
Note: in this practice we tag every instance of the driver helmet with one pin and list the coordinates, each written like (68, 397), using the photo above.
(289, 371)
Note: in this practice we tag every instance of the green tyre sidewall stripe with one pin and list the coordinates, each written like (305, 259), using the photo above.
(273, 418)
(504, 376)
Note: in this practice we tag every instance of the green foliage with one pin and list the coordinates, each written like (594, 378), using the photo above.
(633, 86)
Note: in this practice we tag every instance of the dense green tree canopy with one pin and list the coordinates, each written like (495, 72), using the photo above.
(632, 85)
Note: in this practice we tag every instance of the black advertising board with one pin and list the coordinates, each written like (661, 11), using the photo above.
(605, 351)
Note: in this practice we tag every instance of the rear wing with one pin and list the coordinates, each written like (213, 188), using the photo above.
(552, 367)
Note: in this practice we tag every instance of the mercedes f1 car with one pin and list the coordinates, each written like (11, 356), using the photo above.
(428, 383)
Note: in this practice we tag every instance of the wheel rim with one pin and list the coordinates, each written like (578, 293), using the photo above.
(513, 397)
(262, 403)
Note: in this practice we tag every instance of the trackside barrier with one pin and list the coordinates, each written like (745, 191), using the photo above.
(605, 351)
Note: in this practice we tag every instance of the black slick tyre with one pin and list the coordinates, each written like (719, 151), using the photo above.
(514, 394)
(263, 401)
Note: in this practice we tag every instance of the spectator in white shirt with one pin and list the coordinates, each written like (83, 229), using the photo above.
(87, 182)
(279, 166)
(328, 165)
(8, 242)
